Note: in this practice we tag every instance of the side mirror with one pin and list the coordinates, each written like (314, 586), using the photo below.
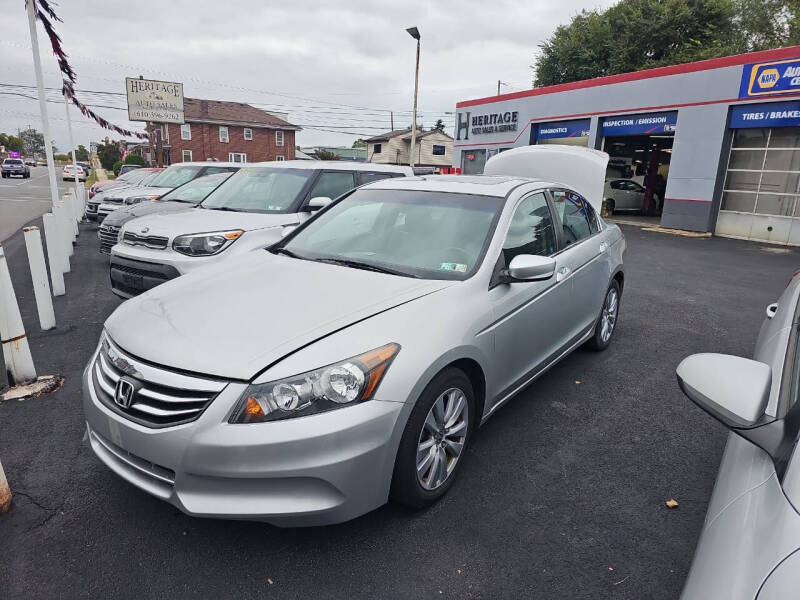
(318, 202)
(733, 390)
(530, 267)
(287, 230)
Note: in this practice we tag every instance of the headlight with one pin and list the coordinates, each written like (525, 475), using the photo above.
(341, 384)
(205, 244)
(137, 199)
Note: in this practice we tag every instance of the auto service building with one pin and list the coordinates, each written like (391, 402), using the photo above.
(705, 146)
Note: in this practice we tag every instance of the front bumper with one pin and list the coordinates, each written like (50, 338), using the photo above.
(155, 266)
(91, 210)
(316, 470)
(130, 278)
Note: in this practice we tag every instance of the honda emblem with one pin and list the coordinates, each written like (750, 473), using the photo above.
(124, 392)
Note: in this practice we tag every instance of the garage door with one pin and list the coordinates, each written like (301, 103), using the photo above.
(762, 182)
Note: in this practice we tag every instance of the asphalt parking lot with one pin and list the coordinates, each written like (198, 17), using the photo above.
(24, 199)
(562, 495)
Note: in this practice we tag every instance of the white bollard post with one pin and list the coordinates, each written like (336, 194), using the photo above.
(54, 250)
(16, 352)
(64, 237)
(5, 492)
(41, 287)
(71, 200)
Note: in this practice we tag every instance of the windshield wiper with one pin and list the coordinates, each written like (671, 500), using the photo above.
(288, 253)
(355, 264)
(227, 208)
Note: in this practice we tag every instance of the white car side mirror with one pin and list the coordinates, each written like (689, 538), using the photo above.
(318, 202)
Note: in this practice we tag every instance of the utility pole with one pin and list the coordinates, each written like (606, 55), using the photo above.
(37, 67)
(499, 83)
(414, 33)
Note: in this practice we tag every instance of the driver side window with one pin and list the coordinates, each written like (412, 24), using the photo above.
(531, 230)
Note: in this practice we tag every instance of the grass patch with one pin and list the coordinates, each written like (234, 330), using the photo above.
(92, 179)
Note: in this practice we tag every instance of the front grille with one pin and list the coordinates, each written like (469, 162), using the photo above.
(112, 200)
(155, 242)
(91, 207)
(108, 237)
(140, 271)
(161, 398)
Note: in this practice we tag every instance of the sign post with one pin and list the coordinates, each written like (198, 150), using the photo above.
(154, 102)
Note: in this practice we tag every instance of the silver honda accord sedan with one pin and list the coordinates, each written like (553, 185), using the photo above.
(308, 382)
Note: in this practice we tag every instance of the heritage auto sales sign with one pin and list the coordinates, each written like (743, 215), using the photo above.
(155, 101)
(489, 123)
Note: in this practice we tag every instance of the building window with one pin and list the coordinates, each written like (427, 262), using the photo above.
(238, 157)
(187, 156)
(165, 133)
(223, 134)
(280, 157)
(377, 148)
(186, 131)
(248, 133)
(438, 150)
(279, 139)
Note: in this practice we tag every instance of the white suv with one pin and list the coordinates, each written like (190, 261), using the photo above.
(250, 210)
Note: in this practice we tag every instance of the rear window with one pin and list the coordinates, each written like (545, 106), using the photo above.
(12, 161)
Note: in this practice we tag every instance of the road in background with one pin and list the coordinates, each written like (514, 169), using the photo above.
(22, 200)
(561, 496)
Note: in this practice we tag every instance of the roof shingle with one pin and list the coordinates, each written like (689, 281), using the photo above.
(233, 113)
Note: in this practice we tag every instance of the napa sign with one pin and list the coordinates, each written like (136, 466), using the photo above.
(770, 79)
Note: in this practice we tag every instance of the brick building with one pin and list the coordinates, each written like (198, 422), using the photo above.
(227, 131)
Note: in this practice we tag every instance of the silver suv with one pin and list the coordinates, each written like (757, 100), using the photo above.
(15, 166)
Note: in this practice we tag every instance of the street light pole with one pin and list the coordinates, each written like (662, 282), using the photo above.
(414, 32)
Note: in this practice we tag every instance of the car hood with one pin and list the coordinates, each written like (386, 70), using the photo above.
(234, 319)
(129, 192)
(131, 211)
(200, 220)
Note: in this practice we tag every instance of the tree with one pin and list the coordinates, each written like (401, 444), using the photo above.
(108, 154)
(641, 34)
(439, 125)
(10, 142)
(359, 143)
(81, 153)
(32, 142)
(326, 155)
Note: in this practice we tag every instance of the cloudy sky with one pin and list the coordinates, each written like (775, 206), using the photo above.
(338, 68)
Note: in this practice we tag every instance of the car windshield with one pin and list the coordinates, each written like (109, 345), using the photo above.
(148, 179)
(432, 235)
(259, 190)
(194, 191)
(134, 176)
(174, 176)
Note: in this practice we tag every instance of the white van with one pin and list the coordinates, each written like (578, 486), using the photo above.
(250, 210)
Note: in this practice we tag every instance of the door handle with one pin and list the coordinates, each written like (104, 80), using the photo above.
(563, 273)
(603, 246)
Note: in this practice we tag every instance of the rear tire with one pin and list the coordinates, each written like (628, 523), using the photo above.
(607, 321)
(434, 440)
(611, 206)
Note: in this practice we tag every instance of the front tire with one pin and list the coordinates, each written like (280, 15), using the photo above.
(607, 321)
(434, 440)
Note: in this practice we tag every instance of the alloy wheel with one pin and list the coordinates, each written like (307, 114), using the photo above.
(442, 438)
(609, 316)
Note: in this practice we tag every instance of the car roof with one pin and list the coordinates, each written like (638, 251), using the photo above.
(480, 185)
(207, 163)
(334, 165)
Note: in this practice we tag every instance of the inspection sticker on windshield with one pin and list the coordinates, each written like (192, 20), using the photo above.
(457, 267)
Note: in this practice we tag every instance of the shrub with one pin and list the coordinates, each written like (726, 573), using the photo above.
(117, 166)
(134, 159)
